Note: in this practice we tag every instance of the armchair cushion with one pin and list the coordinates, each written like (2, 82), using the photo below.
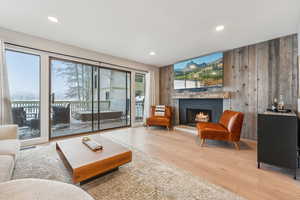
(212, 131)
(8, 132)
(208, 126)
(158, 120)
(9, 147)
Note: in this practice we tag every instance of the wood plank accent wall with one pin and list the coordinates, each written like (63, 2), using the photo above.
(254, 75)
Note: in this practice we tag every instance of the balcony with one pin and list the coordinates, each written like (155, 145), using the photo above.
(70, 117)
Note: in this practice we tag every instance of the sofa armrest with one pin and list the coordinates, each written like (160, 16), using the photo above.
(8, 132)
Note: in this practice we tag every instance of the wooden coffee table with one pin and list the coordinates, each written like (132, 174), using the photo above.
(85, 163)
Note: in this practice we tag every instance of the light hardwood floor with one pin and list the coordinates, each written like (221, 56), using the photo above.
(217, 162)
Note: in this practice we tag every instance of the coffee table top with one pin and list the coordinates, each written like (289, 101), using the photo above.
(79, 155)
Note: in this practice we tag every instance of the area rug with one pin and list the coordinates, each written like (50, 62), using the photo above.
(144, 178)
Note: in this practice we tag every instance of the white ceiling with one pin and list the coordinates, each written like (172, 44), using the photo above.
(174, 29)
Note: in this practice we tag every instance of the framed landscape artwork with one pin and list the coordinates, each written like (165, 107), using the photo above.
(200, 72)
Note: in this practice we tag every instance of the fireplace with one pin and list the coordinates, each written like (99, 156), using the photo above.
(192, 111)
(193, 116)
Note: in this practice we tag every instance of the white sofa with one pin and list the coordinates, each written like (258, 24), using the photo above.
(9, 148)
(29, 189)
(38, 189)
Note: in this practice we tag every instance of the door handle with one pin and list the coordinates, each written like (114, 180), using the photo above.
(52, 98)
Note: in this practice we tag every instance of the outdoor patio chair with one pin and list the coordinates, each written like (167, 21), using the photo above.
(61, 114)
(19, 116)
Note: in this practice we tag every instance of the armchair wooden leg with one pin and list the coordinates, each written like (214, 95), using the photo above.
(202, 142)
(237, 145)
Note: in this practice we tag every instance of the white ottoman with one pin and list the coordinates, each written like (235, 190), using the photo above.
(38, 189)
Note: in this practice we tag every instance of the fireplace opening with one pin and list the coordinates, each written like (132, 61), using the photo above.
(188, 108)
(193, 116)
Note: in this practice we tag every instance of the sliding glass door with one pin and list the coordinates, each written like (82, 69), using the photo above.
(87, 98)
(52, 97)
(23, 70)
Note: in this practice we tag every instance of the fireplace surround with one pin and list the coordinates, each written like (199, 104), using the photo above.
(188, 108)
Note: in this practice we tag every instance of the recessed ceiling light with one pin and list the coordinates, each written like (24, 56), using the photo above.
(220, 28)
(152, 53)
(53, 19)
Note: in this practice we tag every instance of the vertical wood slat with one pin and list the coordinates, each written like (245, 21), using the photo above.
(272, 69)
(252, 93)
(235, 80)
(243, 88)
(227, 76)
(166, 85)
(262, 60)
(295, 74)
(285, 73)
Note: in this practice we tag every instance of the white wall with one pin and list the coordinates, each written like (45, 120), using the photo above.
(57, 47)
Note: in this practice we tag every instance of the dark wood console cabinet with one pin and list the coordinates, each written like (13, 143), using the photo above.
(277, 142)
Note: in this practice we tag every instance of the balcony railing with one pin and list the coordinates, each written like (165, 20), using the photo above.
(139, 113)
(32, 108)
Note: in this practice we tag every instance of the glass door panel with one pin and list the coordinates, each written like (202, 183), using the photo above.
(23, 71)
(96, 99)
(72, 106)
(139, 96)
(114, 99)
(128, 98)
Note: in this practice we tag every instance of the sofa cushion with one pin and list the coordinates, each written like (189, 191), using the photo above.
(6, 167)
(8, 132)
(38, 189)
(168, 111)
(9, 147)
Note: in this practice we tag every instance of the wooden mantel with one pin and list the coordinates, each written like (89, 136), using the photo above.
(201, 95)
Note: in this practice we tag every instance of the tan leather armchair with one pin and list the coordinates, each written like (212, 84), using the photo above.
(228, 129)
(160, 120)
